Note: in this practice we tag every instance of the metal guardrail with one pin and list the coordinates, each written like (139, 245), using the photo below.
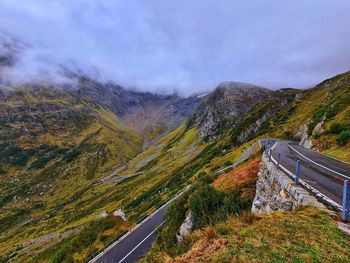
(345, 208)
(343, 176)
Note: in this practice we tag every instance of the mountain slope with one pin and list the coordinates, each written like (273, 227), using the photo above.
(224, 107)
(53, 146)
(320, 115)
(147, 113)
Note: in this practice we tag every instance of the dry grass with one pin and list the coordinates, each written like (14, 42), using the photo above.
(305, 235)
(242, 178)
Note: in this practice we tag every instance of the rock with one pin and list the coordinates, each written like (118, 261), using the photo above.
(103, 214)
(186, 226)
(305, 139)
(120, 213)
(275, 191)
(273, 206)
(283, 193)
(287, 206)
(318, 127)
(308, 144)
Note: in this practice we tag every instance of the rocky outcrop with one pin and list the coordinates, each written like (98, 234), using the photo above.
(120, 213)
(275, 191)
(226, 106)
(303, 135)
(186, 227)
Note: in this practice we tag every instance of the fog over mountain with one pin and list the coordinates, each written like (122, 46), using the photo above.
(183, 46)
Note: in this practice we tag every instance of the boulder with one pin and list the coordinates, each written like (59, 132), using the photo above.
(120, 213)
(103, 214)
(186, 226)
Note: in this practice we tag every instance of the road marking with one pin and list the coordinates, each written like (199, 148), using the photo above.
(324, 167)
(137, 226)
(139, 244)
(312, 189)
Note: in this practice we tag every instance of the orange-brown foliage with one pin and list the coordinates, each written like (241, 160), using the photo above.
(242, 178)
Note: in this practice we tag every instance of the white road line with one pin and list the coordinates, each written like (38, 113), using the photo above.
(137, 226)
(324, 167)
(312, 189)
(139, 244)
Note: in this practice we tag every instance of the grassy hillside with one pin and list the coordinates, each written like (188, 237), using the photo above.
(323, 113)
(321, 108)
(304, 235)
(65, 159)
(53, 147)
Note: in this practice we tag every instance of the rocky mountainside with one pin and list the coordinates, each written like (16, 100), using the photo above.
(149, 114)
(49, 135)
(224, 108)
(71, 158)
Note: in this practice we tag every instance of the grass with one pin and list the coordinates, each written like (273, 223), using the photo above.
(305, 235)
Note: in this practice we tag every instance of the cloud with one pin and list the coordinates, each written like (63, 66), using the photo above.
(183, 45)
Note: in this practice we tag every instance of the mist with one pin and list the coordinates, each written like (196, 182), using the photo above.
(179, 46)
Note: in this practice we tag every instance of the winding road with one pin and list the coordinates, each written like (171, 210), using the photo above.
(321, 172)
(135, 244)
(138, 241)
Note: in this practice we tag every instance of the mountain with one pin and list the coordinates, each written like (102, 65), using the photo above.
(147, 113)
(74, 154)
(226, 106)
(218, 205)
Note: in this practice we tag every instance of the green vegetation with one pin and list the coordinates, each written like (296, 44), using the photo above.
(53, 159)
(210, 206)
(343, 138)
(304, 235)
(85, 243)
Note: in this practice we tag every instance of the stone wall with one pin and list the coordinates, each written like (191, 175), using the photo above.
(275, 191)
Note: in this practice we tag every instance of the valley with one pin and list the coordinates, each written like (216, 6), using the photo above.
(71, 157)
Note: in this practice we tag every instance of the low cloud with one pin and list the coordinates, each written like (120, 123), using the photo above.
(187, 46)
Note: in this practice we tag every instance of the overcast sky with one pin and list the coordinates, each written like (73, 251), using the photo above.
(184, 45)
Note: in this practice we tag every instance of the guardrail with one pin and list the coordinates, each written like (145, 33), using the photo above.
(343, 176)
(345, 208)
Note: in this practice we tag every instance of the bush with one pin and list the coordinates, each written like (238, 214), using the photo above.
(228, 163)
(60, 255)
(204, 178)
(175, 214)
(317, 135)
(343, 138)
(233, 204)
(337, 128)
(204, 204)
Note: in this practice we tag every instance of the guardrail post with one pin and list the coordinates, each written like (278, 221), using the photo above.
(297, 172)
(278, 161)
(346, 200)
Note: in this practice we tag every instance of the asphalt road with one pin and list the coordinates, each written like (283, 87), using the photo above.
(328, 179)
(137, 243)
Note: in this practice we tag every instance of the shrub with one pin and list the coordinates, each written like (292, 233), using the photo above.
(337, 128)
(317, 135)
(233, 204)
(204, 204)
(175, 215)
(343, 138)
(204, 178)
(60, 255)
(228, 163)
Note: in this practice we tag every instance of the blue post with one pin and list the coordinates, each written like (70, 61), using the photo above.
(346, 200)
(278, 161)
(297, 172)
